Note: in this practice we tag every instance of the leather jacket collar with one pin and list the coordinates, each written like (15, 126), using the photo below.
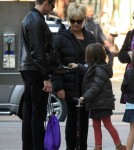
(36, 10)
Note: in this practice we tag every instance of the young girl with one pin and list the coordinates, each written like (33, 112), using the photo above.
(97, 93)
(127, 88)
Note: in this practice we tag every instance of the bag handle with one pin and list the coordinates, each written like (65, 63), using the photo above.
(50, 105)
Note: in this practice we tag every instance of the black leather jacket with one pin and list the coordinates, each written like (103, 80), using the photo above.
(35, 43)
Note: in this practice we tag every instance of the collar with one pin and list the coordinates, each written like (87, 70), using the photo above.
(36, 10)
(69, 29)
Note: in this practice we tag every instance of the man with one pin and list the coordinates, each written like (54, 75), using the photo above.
(95, 28)
(34, 46)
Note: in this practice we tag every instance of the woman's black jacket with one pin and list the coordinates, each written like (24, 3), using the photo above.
(97, 88)
(71, 51)
(123, 54)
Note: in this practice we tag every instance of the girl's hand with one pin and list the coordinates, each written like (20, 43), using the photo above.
(81, 99)
(72, 65)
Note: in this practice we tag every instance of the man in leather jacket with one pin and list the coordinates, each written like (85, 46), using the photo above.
(34, 45)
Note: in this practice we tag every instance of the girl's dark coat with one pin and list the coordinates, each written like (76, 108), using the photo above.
(97, 87)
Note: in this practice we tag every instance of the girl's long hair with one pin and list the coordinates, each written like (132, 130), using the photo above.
(95, 53)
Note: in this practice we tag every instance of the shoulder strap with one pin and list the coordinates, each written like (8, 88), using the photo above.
(50, 105)
(78, 42)
(131, 34)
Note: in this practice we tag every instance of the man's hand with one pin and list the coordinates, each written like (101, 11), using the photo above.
(47, 86)
(61, 94)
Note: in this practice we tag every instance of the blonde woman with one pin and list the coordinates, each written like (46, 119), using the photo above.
(71, 43)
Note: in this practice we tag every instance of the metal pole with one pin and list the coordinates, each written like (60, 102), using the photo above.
(78, 125)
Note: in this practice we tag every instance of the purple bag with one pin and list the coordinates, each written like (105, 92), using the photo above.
(52, 139)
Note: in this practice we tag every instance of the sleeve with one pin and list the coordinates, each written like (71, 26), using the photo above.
(96, 86)
(101, 36)
(40, 37)
(124, 83)
(92, 38)
(57, 80)
(123, 54)
(81, 68)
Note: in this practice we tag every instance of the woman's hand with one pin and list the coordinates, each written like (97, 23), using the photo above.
(72, 65)
(61, 94)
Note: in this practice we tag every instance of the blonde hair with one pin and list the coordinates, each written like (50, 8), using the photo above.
(76, 10)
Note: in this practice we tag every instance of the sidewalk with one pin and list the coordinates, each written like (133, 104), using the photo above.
(10, 134)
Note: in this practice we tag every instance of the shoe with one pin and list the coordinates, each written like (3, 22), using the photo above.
(121, 147)
(98, 148)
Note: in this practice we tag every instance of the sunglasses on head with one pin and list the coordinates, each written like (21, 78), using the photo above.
(53, 6)
(79, 21)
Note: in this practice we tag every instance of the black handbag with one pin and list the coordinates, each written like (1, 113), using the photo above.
(123, 98)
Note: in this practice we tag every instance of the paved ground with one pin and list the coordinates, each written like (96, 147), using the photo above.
(10, 134)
